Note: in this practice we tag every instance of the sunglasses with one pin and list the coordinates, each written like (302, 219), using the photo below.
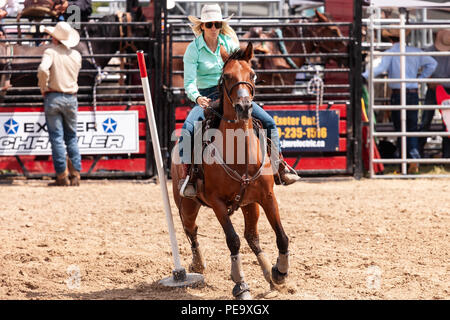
(209, 25)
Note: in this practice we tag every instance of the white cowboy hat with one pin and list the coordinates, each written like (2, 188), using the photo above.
(210, 12)
(64, 33)
(442, 42)
(170, 4)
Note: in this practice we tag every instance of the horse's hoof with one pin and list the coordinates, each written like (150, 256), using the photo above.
(241, 291)
(277, 276)
(197, 268)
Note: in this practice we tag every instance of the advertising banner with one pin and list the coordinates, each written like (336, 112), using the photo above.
(298, 130)
(110, 132)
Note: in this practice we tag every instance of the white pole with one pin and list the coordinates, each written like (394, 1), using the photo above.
(158, 158)
(370, 112)
(403, 89)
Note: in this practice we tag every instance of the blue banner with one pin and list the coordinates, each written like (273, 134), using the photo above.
(299, 132)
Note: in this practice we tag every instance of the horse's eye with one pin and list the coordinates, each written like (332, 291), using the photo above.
(227, 76)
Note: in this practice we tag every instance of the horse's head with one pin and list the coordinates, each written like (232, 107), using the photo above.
(237, 83)
(338, 46)
(141, 30)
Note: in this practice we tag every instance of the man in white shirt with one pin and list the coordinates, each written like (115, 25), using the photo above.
(57, 79)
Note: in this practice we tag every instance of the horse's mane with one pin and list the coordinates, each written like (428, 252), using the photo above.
(218, 104)
(104, 31)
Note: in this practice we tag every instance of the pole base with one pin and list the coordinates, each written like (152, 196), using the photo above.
(181, 279)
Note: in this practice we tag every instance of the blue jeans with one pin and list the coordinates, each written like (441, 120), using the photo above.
(412, 143)
(197, 114)
(61, 117)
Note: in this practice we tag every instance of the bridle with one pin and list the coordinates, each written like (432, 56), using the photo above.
(245, 179)
(230, 91)
(125, 44)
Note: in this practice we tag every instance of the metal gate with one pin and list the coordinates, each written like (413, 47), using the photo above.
(112, 98)
(375, 25)
(342, 87)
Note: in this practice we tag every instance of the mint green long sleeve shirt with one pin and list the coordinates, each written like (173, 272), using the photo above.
(202, 67)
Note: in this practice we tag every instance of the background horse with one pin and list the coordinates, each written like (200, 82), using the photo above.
(272, 48)
(293, 47)
(228, 186)
(98, 47)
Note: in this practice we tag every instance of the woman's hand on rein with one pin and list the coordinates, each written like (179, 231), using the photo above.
(203, 102)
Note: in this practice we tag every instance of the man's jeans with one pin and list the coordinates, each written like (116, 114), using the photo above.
(412, 143)
(61, 117)
(197, 114)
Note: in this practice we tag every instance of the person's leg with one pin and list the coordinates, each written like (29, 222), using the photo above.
(70, 138)
(268, 124)
(54, 120)
(395, 117)
(187, 133)
(286, 174)
(427, 118)
(412, 126)
(185, 143)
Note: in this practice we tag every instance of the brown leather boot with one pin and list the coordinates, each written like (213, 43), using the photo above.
(74, 175)
(285, 175)
(187, 189)
(62, 180)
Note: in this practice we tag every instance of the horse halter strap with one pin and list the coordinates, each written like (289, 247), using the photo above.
(129, 34)
(228, 92)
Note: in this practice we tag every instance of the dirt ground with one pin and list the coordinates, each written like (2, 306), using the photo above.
(367, 239)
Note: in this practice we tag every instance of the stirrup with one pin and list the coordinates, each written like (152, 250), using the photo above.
(187, 190)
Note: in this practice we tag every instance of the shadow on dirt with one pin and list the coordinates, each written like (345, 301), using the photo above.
(143, 291)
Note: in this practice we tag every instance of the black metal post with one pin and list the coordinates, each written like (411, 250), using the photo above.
(356, 89)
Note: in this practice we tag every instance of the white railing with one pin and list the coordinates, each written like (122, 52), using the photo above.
(374, 26)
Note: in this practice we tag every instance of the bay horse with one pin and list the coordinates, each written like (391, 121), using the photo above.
(98, 47)
(233, 184)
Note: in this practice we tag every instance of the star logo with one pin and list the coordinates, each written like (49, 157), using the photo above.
(110, 125)
(11, 126)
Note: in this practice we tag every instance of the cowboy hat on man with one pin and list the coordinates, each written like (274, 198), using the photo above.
(442, 42)
(64, 33)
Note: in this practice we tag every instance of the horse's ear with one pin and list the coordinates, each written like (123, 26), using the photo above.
(139, 13)
(223, 53)
(321, 16)
(248, 54)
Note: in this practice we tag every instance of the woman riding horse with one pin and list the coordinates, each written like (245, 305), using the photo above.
(202, 70)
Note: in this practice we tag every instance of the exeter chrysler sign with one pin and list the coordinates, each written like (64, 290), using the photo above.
(109, 132)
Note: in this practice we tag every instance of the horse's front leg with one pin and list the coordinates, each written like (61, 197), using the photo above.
(188, 212)
(281, 268)
(251, 216)
(241, 290)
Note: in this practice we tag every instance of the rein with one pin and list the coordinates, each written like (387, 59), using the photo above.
(243, 179)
